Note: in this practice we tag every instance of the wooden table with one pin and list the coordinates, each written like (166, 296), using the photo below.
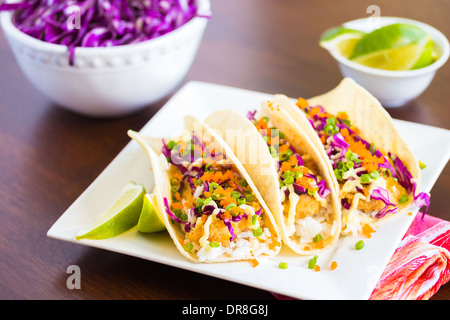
(49, 155)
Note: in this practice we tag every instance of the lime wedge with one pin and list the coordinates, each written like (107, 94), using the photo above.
(342, 39)
(149, 220)
(395, 47)
(120, 217)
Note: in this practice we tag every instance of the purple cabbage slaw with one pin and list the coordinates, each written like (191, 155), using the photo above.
(183, 163)
(338, 148)
(100, 23)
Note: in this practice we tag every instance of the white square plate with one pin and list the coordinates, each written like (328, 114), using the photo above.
(357, 271)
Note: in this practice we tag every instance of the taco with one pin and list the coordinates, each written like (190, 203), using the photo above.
(208, 203)
(375, 171)
(289, 173)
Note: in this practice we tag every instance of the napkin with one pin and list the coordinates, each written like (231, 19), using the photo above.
(419, 266)
(421, 263)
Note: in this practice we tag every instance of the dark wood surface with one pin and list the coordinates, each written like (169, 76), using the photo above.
(49, 155)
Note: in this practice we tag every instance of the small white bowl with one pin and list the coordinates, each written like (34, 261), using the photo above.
(393, 88)
(112, 81)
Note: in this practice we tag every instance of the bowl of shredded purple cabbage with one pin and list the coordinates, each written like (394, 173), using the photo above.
(104, 57)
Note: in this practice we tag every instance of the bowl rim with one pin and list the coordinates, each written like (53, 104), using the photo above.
(393, 73)
(10, 29)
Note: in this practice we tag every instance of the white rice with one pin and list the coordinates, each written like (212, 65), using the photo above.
(209, 253)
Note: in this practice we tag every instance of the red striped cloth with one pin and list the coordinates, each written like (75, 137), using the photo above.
(419, 266)
(421, 263)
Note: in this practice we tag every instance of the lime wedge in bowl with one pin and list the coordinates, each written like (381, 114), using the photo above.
(342, 39)
(397, 46)
(149, 219)
(121, 216)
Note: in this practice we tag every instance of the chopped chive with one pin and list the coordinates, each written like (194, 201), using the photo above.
(283, 265)
(265, 119)
(289, 180)
(389, 173)
(254, 219)
(351, 155)
(257, 232)
(273, 151)
(241, 201)
(349, 164)
(372, 148)
(171, 144)
(213, 186)
(243, 183)
(230, 206)
(273, 131)
(338, 174)
(317, 238)
(365, 178)
(174, 181)
(287, 173)
(312, 262)
(209, 167)
(188, 247)
(374, 175)
(298, 174)
(249, 197)
(328, 129)
(359, 245)
(403, 199)
(347, 122)
(342, 166)
(214, 244)
(331, 120)
(235, 194)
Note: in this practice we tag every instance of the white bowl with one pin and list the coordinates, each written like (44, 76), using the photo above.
(393, 88)
(111, 81)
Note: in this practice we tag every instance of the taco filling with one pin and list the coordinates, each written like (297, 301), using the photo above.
(213, 204)
(304, 194)
(372, 184)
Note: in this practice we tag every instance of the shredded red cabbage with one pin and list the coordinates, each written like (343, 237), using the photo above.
(402, 174)
(405, 179)
(208, 209)
(298, 189)
(100, 23)
(345, 204)
(422, 200)
(227, 222)
(299, 159)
